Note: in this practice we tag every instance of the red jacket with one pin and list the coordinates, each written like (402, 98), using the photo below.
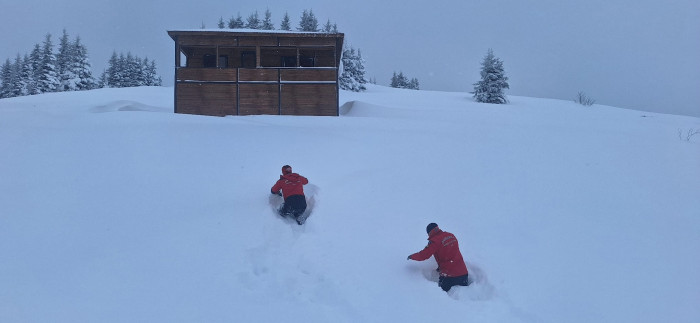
(444, 246)
(290, 184)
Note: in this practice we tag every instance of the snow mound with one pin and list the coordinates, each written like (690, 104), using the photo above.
(126, 105)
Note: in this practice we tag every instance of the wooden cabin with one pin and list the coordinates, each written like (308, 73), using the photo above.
(244, 72)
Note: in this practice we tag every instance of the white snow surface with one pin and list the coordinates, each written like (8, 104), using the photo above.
(115, 209)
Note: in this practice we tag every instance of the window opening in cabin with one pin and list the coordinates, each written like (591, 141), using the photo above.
(307, 61)
(289, 61)
(209, 60)
(223, 61)
(248, 59)
(183, 60)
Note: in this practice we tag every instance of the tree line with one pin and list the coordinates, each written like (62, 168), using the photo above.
(352, 78)
(402, 82)
(45, 70)
(307, 22)
(130, 71)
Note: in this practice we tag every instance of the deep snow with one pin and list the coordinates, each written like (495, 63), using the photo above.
(114, 209)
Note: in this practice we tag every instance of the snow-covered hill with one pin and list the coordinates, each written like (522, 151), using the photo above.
(114, 209)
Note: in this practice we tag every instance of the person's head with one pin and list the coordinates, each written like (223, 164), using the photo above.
(286, 169)
(431, 227)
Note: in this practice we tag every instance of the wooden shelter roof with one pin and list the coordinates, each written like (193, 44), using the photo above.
(252, 32)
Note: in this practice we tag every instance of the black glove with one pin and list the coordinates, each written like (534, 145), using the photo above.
(409, 257)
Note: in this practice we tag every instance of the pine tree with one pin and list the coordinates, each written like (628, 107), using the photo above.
(285, 23)
(235, 23)
(64, 58)
(81, 67)
(47, 80)
(152, 77)
(18, 87)
(253, 21)
(327, 28)
(111, 75)
(360, 70)
(221, 23)
(308, 21)
(413, 84)
(5, 79)
(132, 71)
(353, 76)
(28, 75)
(399, 81)
(394, 80)
(346, 80)
(35, 61)
(403, 80)
(267, 22)
(102, 81)
(493, 80)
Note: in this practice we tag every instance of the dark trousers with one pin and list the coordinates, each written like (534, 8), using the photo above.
(294, 205)
(447, 282)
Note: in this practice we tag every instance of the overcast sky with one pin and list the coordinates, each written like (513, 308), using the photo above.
(639, 54)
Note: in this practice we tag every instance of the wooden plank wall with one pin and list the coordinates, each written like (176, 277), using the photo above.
(258, 99)
(309, 99)
(257, 91)
(206, 99)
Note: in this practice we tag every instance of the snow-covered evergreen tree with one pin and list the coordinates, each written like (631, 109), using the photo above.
(353, 76)
(5, 79)
(221, 23)
(308, 21)
(64, 64)
(267, 22)
(493, 81)
(399, 81)
(253, 21)
(236, 23)
(112, 75)
(81, 67)
(151, 75)
(413, 84)
(132, 72)
(28, 75)
(328, 27)
(47, 80)
(102, 81)
(18, 86)
(285, 23)
(35, 61)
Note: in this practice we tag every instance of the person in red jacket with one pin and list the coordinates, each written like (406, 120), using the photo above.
(291, 187)
(444, 246)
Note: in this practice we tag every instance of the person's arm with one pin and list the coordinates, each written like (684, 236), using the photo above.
(276, 188)
(426, 253)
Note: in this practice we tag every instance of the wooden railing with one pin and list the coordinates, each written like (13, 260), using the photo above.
(256, 75)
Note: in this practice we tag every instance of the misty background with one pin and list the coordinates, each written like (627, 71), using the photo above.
(642, 55)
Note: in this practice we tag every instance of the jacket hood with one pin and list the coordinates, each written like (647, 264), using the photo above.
(434, 232)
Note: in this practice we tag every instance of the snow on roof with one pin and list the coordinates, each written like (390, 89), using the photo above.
(247, 30)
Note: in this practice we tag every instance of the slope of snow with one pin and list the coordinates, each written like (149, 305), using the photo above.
(114, 209)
